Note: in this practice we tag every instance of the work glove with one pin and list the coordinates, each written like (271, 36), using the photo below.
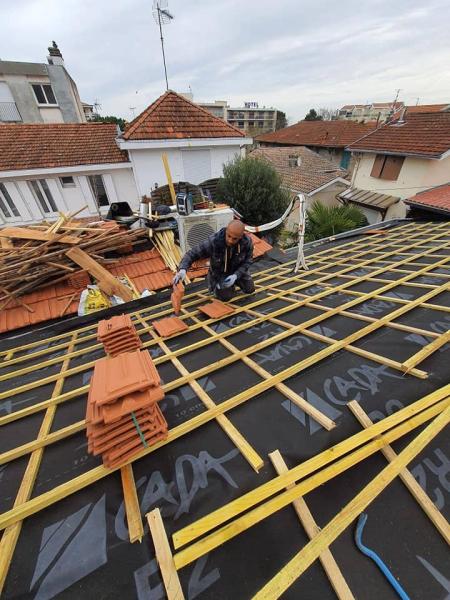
(229, 281)
(180, 276)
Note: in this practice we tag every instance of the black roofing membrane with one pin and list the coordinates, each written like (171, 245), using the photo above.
(79, 546)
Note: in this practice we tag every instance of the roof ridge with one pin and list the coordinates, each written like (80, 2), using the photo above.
(172, 115)
(192, 103)
(144, 114)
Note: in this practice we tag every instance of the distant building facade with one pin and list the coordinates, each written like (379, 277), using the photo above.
(250, 118)
(39, 92)
(361, 113)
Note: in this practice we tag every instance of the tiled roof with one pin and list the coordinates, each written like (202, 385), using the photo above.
(428, 108)
(329, 134)
(172, 116)
(437, 197)
(145, 269)
(50, 145)
(313, 172)
(422, 134)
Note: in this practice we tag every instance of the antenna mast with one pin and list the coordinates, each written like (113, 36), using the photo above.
(162, 17)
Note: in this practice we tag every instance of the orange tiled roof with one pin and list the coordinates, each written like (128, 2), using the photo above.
(313, 171)
(437, 197)
(146, 270)
(172, 116)
(428, 108)
(329, 134)
(50, 145)
(423, 134)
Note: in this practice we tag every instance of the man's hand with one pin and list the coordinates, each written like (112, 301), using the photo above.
(229, 281)
(180, 276)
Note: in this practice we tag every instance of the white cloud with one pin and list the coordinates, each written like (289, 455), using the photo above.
(289, 54)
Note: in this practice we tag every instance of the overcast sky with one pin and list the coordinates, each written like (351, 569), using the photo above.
(291, 54)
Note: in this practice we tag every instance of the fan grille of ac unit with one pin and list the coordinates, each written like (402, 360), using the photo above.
(197, 232)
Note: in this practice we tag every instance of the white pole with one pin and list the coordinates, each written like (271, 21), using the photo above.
(301, 234)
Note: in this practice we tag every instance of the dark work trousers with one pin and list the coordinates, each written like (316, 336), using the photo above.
(245, 283)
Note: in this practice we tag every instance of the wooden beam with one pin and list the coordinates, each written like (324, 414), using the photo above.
(100, 273)
(413, 486)
(301, 561)
(295, 398)
(164, 556)
(169, 177)
(261, 512)
(426, 351)
(134, 520)
(33, 234)
(329, 564)
(247, 451)
(11, 533)
(248, 500)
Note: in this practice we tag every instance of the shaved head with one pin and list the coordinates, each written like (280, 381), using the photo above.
(235, 231)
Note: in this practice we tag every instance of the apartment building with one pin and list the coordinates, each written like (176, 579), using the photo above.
(376, 111)
(39, 92)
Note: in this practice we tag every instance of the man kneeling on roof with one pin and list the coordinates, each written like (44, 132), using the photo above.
(230, 252)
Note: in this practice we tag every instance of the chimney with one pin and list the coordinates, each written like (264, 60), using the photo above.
(55, 57)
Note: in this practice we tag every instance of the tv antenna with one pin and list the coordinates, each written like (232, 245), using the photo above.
(97, 107)
(162, 17)
(133, 111)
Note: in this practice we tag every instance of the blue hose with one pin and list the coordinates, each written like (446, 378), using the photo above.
(377, 560)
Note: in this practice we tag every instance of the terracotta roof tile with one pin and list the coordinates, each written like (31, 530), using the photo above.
(329, 134)
(49, 302)
(428, 108)
(437, 197)
(420, 134)
(50, 145)
(312, 173)
(172, 116)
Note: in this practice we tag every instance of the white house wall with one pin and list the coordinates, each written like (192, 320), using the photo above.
(149, 169)
(119, 184)
(416, 175)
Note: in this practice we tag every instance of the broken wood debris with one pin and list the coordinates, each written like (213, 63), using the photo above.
(36, 256)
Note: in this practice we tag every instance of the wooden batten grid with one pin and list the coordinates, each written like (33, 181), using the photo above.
(378, 255)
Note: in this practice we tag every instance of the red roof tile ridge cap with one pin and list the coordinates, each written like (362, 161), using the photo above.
(140, 118)
(222, 122)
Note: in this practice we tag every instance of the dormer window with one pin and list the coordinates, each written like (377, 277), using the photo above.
(294, 161)
(44, 94)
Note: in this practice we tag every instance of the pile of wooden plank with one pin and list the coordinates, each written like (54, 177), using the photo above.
(36, 256)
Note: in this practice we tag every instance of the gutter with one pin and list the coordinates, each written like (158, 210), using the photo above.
(388, 153)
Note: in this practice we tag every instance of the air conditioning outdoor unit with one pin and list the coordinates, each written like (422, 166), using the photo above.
(199, 225)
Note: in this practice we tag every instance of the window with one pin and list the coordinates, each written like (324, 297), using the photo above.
(67, 182)
(240, 124)
(260, 124)
(7, 206)
(387, 167)
(98, 189)
(44, 93)
(294, 161)
(43, 195)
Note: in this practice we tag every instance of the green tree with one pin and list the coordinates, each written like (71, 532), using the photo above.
(110, 119)
(253, 187)
(313, 116)
(323, 221)
(282, 121)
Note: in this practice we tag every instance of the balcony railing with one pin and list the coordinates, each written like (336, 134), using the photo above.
(9, 112)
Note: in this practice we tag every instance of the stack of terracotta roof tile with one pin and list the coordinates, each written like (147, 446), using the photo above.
(122, 414)
(118, 335)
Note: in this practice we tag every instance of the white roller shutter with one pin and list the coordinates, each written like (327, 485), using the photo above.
(196, 165)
